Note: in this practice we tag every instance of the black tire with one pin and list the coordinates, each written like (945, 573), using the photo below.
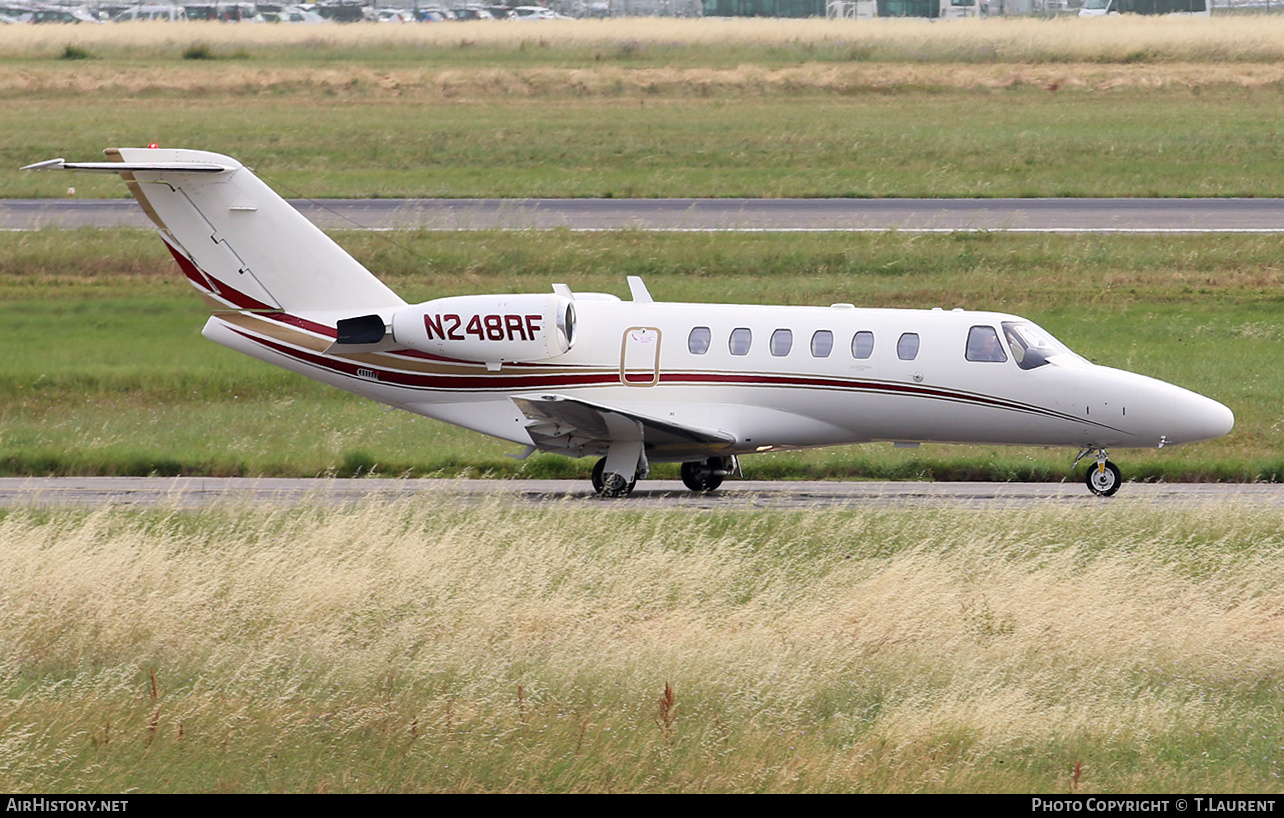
(613, 485)
(596, 476)
(1104, 483)
(699, 476)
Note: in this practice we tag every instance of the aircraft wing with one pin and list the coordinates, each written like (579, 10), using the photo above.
(578, 427)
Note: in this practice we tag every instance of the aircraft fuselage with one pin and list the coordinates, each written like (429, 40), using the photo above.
(793, 380)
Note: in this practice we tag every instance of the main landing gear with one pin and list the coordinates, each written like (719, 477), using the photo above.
(625, 463)
(1103, 477)
(700, 475)
(612, 484)
(707, 475)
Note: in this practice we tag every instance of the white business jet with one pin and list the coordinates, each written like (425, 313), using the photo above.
(641, 381)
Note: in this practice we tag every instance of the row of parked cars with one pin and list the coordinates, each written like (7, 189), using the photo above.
(438, 14)
(267, 12)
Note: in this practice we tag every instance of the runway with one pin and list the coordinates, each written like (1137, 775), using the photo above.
(718, 215)
(738, 495)
(748, 215)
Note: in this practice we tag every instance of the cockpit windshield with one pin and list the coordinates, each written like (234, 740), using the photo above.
(1031, 345)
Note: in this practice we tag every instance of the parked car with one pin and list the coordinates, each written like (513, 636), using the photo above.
(56, 14)
(290, 14)
(151, 12)
(227, 12)
(341, 11)
(432, 14)
(535, 13)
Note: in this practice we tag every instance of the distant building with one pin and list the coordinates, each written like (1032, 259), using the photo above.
(851, 9)
(764, 8)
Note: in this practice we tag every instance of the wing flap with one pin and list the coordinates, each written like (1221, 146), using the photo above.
(578, 427)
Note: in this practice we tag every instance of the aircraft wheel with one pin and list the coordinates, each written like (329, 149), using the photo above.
(1104, 482)
(699, 476)
(611, 485)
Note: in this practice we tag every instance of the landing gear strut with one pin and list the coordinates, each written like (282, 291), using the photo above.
(707, 475)
(616, 474)
(1103, 477)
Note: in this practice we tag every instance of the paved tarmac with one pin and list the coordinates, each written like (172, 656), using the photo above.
(1033, 215)
(736, 495)
(750, 215)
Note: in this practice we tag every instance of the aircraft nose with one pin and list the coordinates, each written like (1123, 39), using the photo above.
(1201, 418)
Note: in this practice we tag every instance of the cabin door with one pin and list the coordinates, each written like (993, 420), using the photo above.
(640, 357)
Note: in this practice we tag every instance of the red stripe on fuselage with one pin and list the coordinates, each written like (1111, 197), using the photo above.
(394, 377)
(513, 383)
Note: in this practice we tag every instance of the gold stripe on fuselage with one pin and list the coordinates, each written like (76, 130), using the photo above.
(265, 324)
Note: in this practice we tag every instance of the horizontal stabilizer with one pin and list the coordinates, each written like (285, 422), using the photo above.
(570, 425)
(130, 167)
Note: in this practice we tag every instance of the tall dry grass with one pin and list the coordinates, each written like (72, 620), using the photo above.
(1220, 39)
(415, 85)
(640, 57)
(428, 647)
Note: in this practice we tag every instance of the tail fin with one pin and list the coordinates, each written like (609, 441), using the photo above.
(239, 242)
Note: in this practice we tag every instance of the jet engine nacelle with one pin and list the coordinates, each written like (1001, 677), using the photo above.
(488, 328)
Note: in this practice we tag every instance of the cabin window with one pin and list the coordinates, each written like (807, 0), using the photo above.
(907, 346)
(740, 340)
(983, 345)
(782, 340)
(822, 343)
(698, 341)
(863, 344)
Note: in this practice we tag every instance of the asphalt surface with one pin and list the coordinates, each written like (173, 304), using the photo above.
(1010, 215)
(1033, 215)
(736, 495)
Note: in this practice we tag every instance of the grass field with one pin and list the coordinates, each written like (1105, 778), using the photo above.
(668, 108)
(969, 143)
(420, 647)
(642, 108)
(106, 372)
(416, 647)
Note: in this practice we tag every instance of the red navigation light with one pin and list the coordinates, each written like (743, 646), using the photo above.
(153, 146)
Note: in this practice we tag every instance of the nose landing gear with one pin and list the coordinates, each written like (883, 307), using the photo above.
(1104, 477)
